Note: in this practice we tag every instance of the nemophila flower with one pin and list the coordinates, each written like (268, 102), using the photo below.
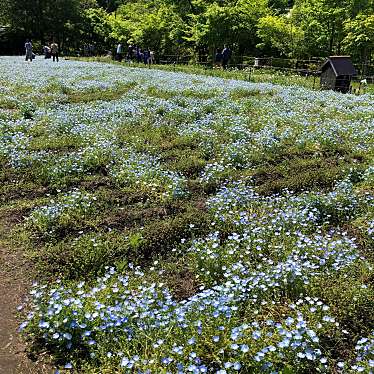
(191, 341)
(237, 366)
(166, 360)
(67, 336)
(23, 325)
(284, 343)
(43, 324)
(261, 249)
(256, 335)
(46, 218)
(178, 350)
(244, 348)
(125, 362)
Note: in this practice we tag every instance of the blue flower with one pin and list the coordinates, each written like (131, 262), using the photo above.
(237, 366)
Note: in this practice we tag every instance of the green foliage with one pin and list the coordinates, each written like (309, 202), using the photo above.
(233, 22)
(299, 172)
(67, 212)
(308, 28)
(40, 19)
(159, 27)
(84, 256)
(27, 110)
(98, 24)
(279, 33)
(95, 94)
(323, 23)
(346, 293)
(241, 93)
(359, 40)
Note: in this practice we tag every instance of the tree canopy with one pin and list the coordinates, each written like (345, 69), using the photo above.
(300, 28)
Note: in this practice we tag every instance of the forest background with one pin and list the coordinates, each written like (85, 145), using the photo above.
(281, 28)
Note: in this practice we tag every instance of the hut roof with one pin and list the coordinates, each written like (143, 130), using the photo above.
(341, 65)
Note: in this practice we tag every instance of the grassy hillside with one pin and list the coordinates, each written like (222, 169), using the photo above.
(186, 223)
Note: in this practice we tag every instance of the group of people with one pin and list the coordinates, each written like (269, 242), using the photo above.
(135, 53)
(222, 57)
(49, 51)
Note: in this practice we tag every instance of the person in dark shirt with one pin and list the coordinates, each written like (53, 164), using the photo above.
(139, 55)
(226, 55)
(218, 58)
(28, 48)
(47, 52)
(146, 56)
(130, 52)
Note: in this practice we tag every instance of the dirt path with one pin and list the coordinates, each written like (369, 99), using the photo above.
(14, 284)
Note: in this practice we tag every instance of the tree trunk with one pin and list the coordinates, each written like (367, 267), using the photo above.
(332, 36)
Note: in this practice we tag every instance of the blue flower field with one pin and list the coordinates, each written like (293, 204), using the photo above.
(178, 223)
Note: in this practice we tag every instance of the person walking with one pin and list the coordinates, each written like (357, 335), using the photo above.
(28, 48)
(54, 51)
(226, 55)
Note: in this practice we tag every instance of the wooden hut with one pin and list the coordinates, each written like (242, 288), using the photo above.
(336, 73)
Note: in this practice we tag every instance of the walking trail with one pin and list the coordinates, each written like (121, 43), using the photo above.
(14, 285)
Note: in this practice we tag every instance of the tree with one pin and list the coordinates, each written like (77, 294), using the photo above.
(156, 25)
(359, 39)
(40, 19)
(231, 22)
(310, 28)
(279, 6)
(279, 33)
(96, 28)
(322, 22)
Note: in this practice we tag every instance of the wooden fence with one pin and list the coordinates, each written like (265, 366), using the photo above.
(309, 67)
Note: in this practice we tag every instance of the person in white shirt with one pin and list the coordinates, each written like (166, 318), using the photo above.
(119, 52)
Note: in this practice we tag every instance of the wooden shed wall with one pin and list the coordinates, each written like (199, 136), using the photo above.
(328, 78)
